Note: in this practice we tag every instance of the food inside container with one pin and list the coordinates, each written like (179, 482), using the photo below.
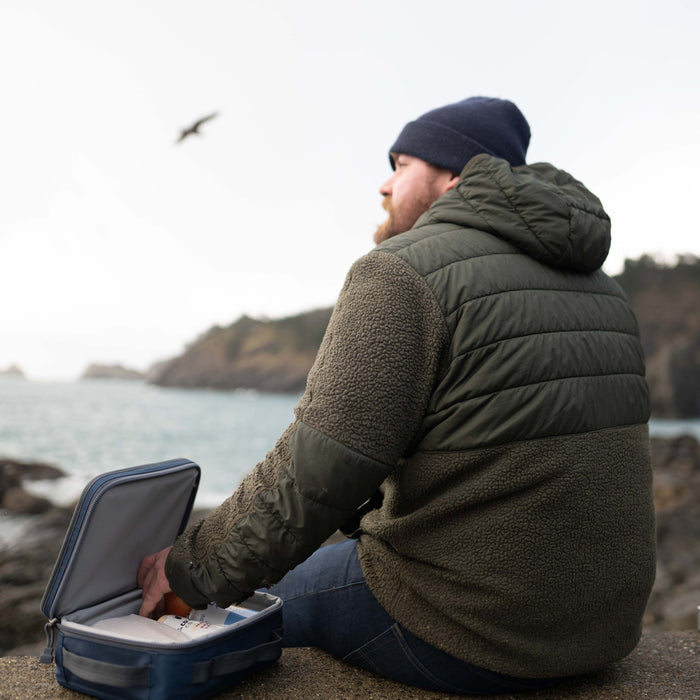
(119, 619)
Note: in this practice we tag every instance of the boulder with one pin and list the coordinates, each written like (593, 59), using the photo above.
(17, 501)
(25, 568)
(13, 498)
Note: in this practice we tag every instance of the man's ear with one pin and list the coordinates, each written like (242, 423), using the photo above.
(452, 183)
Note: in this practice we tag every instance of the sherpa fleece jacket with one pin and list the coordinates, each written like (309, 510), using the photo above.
(480, 389)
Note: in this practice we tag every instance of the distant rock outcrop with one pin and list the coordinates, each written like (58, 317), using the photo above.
(96, 371)
(270, 356)
(12, 371)
(666, 300)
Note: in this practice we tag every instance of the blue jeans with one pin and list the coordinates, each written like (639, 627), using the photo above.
(328, 604)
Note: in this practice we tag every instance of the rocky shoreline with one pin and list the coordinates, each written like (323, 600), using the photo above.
(26, 564)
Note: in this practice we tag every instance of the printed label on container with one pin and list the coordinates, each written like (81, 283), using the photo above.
(221, 616)
(192, 629)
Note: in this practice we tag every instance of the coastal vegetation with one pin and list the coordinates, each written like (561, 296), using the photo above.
(265, 355)
(666, 299)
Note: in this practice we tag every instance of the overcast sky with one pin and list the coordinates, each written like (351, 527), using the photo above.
(120, 246)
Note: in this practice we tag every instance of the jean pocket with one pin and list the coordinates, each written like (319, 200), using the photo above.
(389, 655)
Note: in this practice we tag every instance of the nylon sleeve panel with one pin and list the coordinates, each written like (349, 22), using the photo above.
(285, 524)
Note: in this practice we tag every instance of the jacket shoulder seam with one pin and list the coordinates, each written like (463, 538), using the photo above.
(424, 282)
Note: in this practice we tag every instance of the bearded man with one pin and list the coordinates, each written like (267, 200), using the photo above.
(475, 421)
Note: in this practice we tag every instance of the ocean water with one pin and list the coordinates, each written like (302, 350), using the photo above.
(92, 426)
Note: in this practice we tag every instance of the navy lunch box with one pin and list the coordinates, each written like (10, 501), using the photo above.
(121, 517)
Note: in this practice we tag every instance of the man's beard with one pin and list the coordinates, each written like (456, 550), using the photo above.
(403, 218)
(385, 229)
(392, 226)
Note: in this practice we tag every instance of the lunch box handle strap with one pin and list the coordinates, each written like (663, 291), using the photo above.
(95, 671)
(237, 660)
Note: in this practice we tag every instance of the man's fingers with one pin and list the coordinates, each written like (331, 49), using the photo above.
(154, 583)
(144, 567)
(149, 603)
(145, 610)
(145, 583)
(152, 595)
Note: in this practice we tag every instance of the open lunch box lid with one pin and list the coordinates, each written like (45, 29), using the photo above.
(121, 517)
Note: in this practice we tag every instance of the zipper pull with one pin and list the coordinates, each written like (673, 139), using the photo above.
(50, 630)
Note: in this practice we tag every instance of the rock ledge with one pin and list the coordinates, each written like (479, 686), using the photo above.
(665, 666)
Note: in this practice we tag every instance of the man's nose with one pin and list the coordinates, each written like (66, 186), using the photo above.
(385, 188)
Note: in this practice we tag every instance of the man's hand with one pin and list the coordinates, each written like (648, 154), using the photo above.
(152, 580)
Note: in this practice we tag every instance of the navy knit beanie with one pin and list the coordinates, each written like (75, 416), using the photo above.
(449, 137)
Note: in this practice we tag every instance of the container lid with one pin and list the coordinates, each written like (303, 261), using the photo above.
(121, 517)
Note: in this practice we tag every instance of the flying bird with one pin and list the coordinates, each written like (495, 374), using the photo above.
(194, 129)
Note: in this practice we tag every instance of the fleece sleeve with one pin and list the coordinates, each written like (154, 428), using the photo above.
(365, 398)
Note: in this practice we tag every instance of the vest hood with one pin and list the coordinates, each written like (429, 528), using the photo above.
(538, 208)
